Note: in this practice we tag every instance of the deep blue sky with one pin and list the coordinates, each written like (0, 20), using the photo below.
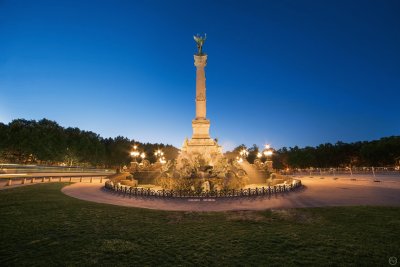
(281, 72)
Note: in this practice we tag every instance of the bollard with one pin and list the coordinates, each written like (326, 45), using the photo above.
(23, 181)
(9, 183)
(80, 180)
(50, 179)
(59, 179)
(91, 179)
(70, 179)
(101, 179)
(33, 180)
(42, 179)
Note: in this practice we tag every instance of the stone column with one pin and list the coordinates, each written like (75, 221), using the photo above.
(200, 124)
(200, 62)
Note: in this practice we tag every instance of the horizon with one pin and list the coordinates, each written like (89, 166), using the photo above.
(167, 144)
(286, 73)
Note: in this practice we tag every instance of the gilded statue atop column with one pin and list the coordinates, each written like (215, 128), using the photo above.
(200, 42)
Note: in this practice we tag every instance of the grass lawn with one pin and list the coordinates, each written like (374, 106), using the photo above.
(41, 226)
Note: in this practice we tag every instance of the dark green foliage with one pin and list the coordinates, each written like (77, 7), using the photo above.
(253, 151)
(42, 227)
(117, 150)
(46, 142)
(382, 152)
(231, 155)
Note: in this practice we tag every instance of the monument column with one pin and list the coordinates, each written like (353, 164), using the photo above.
(200, 144)
(200, 62)
(201, 126)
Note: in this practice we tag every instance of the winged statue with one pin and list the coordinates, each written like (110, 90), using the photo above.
(200, 42)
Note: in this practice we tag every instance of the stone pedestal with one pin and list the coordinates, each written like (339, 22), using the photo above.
(201, 129)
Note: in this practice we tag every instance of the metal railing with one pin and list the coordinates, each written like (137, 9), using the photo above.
(23, 168)
(260, 191)
(43, 179)
(366, 171)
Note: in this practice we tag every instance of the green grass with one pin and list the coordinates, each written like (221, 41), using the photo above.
(40, 226)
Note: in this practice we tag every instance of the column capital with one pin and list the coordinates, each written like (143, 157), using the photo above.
(200, 61)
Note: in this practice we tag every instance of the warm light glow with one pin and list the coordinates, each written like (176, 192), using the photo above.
(244, 153)
(259, 155)
(135, 147)
(143, 155)
(158, 153)
(267, 146)
(268, 153)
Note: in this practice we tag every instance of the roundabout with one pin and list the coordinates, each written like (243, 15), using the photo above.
(316, 192)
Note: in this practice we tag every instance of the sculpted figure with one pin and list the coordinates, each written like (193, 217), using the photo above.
(200, 42)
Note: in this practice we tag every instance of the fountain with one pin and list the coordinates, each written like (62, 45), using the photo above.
(201, 165)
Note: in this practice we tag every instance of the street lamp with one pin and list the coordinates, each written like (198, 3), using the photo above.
(243, 154)
(160, 156)
(135, 153)
(268, 153)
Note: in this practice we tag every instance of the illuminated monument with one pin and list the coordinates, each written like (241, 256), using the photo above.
(201, 144)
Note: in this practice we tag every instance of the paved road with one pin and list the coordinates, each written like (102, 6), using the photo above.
(317, 192)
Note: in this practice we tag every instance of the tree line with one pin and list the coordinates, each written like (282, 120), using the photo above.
(378, 153)
(46, 142)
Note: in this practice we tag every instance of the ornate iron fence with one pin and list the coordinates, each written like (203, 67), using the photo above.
(259, 191)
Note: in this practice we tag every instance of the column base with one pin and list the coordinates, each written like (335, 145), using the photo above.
(201, 129)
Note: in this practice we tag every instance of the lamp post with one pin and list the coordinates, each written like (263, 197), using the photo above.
(268, 153)
(243, 154)
(160, 156)
(135, 153)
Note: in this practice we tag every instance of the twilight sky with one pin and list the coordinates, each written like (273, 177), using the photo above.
(281, 72)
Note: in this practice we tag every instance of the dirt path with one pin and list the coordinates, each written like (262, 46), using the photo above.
(316, 193)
